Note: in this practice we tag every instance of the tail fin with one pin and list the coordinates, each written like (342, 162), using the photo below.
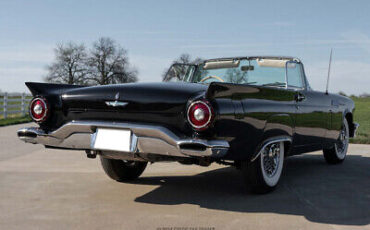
(37, 88)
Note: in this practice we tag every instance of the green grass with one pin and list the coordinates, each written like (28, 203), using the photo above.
(15, 102)
(362, 116)
(14, 120)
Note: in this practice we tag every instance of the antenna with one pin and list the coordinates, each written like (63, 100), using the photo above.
(327, 81)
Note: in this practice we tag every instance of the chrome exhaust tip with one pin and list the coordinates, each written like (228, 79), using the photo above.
(29, 135)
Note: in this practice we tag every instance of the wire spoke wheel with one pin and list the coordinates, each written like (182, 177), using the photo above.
(271, 158)
(262, 174)
(342, 142)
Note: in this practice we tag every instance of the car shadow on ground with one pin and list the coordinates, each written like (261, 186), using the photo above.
(335, 194)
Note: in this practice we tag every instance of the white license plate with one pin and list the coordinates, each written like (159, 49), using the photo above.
(111, 139)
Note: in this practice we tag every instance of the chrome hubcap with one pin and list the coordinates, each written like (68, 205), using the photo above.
(271, 158)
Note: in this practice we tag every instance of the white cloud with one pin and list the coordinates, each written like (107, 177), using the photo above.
(350, 77)
(26, 56)
(32, 53)
(12, 79)
(280, 24)
(358, 38)
(21, 63)
(150, 68)
(297, 42)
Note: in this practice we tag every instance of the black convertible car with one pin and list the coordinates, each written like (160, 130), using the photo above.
(249, 112)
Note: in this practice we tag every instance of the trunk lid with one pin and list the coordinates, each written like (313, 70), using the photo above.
(145, 97)
(163, 103)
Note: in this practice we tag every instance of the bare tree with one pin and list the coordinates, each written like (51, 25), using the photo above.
(108, 64)
(186, 59)
(182, 59)
(69, 65)
(236, 76)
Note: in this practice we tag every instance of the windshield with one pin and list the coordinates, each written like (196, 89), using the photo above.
(265, 72)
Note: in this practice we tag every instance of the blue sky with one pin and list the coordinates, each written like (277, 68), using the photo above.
(156, 32)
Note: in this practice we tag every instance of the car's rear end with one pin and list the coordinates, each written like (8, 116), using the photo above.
(140, 120)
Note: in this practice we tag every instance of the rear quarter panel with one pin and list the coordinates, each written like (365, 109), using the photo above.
(341, 107)
(249, 115)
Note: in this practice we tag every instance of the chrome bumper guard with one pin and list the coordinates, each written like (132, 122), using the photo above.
(355, 128)
(147, 139)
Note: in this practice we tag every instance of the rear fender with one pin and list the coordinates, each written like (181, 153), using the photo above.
(286, 139)
(52, 93)
(279, 127)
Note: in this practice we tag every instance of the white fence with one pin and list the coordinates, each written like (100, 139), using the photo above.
(14, 103)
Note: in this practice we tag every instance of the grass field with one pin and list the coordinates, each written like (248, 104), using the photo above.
(14, 120)
(362, 116)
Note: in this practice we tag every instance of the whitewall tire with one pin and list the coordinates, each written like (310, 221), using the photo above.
(263, 174)
(338, 152)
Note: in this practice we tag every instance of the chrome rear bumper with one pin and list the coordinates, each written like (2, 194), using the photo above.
(147, 139)
(355, 128)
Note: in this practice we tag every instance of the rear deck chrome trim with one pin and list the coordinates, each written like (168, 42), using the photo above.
(149, 139)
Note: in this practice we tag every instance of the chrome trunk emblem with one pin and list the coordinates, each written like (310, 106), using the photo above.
(116, 103)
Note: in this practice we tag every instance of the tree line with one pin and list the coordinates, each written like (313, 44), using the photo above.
(106, 62)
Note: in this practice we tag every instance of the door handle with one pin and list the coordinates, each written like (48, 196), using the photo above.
(299, 97)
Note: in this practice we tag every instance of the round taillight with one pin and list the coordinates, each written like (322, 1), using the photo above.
(200, 115)
(38, 109)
